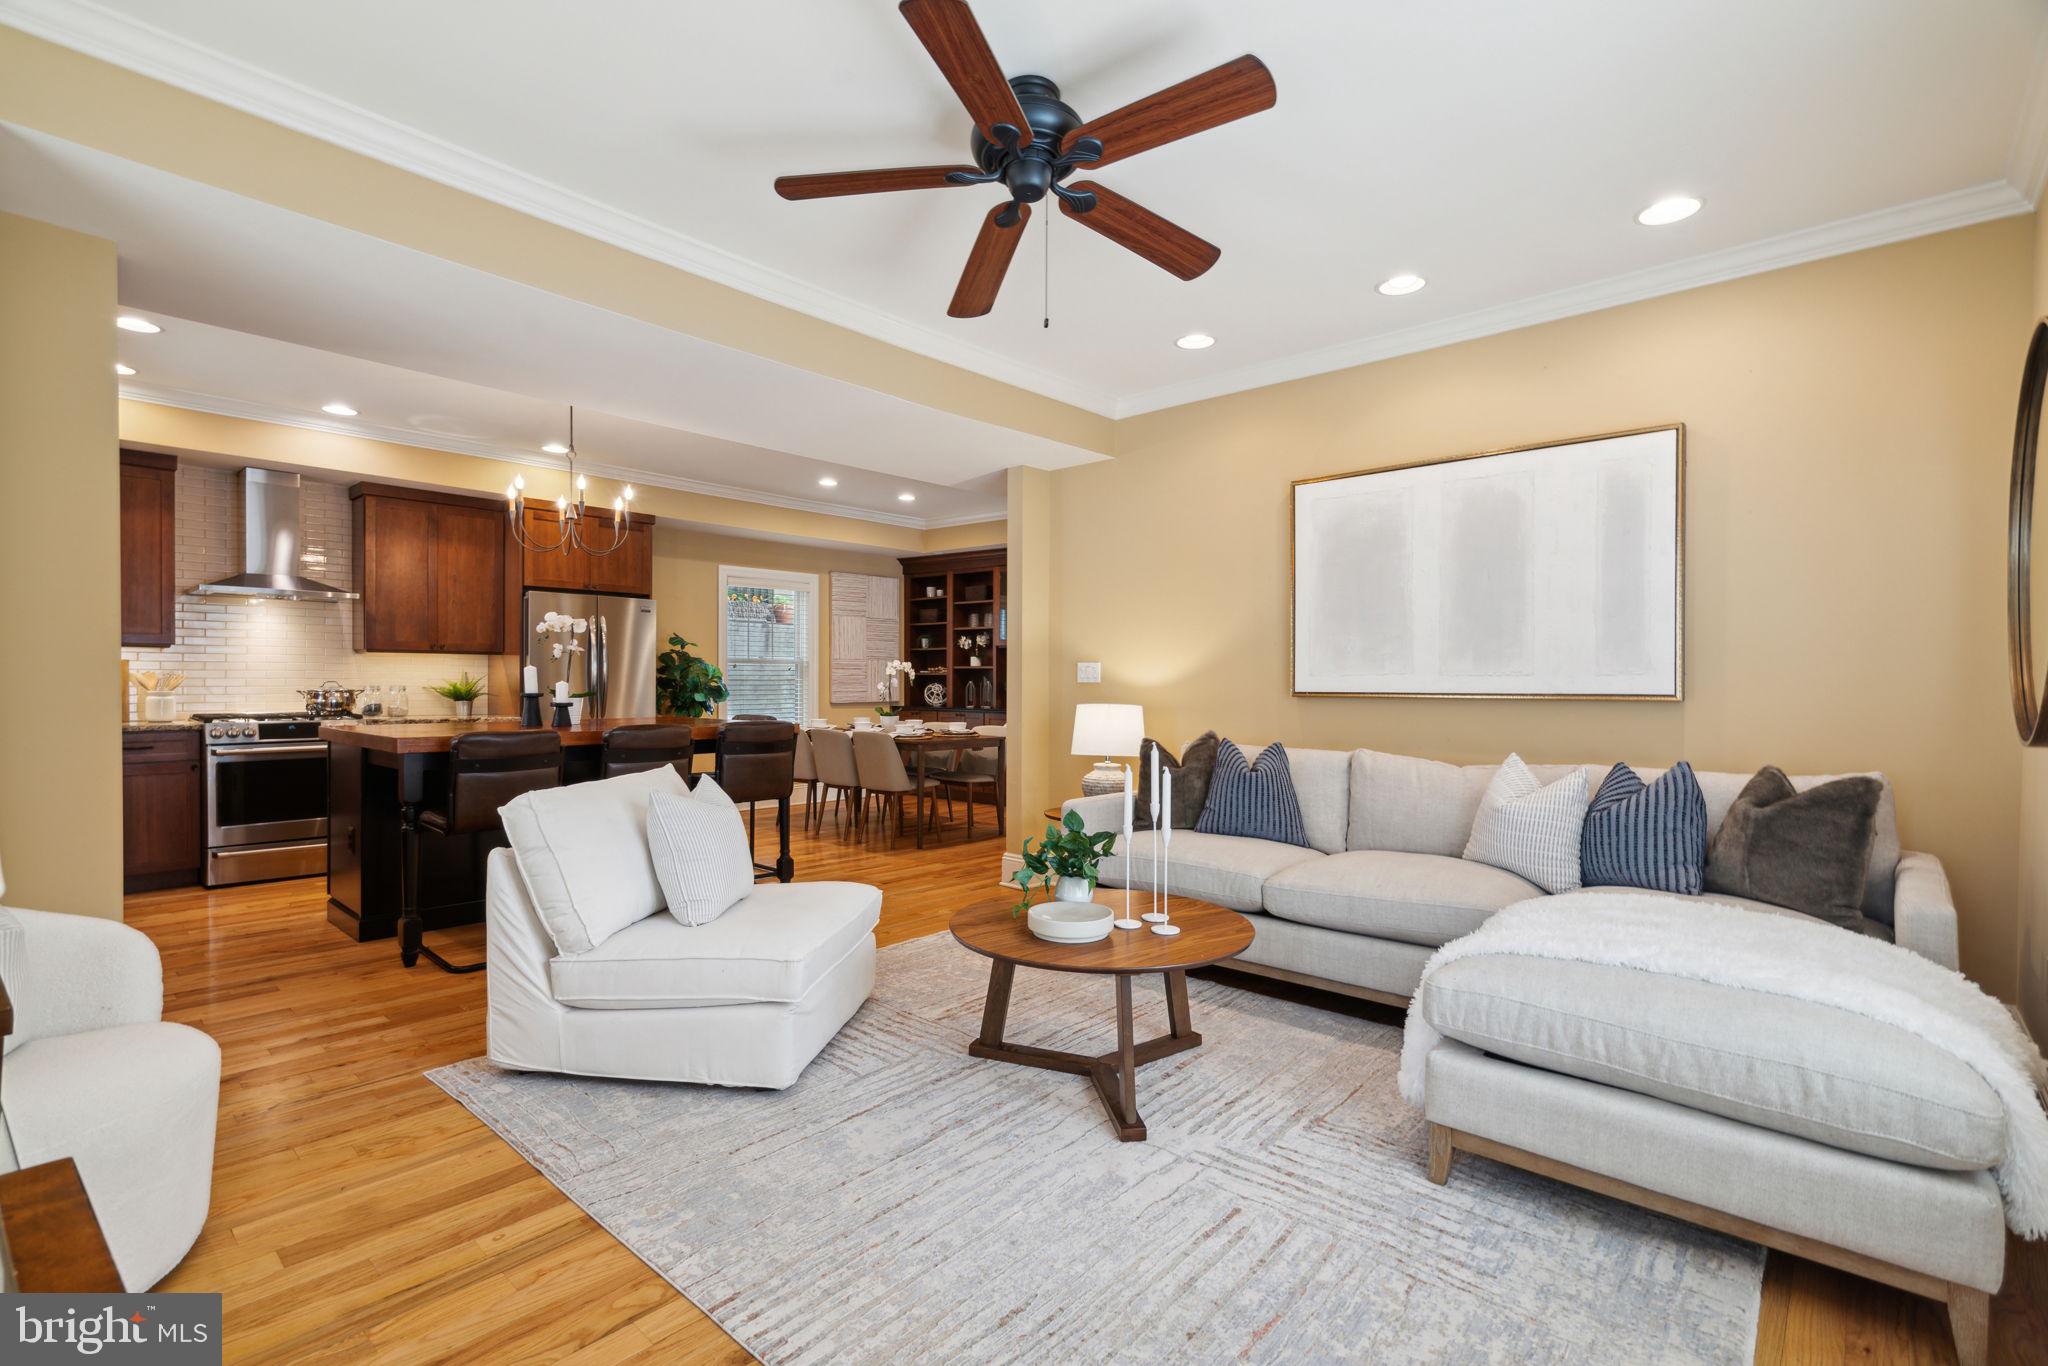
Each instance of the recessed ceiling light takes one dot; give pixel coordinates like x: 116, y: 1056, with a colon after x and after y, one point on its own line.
x: 128, y: 322
x: 555, y: 448
x: 338, y: 409
x: 1196, y: 341
x: 1402, y: 284
x: 828, y: 482
x: 906, y: 497
x: 1676, y: 209
x: 121, y: 369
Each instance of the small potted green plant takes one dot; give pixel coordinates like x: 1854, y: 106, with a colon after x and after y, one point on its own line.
x: 685, y: 685
x: 463, y: 692
x: 1065, y: 862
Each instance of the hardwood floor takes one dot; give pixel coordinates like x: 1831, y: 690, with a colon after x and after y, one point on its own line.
x: 361, y: 1215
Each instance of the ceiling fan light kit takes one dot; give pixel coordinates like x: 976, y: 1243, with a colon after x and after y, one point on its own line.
x: 1029, y: 141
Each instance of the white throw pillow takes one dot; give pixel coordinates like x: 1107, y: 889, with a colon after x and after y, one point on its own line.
x: 582, y: 853
x: 1530, y: 829
x: 701, y: 853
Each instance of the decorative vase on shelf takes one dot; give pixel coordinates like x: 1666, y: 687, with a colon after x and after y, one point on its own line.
x: 1073, y: 889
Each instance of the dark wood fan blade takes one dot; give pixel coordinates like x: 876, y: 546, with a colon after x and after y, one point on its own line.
x: 988, y: 262
x: 1163, y: 243
x: 949, y: 32
x: 1197, y: 104
x: 831, y: 183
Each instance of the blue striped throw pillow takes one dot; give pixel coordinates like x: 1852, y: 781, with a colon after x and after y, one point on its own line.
x: 1253, y: 800
x: 1652, y: 836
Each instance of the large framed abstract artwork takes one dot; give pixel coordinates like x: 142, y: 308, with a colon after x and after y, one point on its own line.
x: 1551, y: 571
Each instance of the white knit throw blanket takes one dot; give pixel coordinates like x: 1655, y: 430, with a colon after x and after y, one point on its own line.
x: 1785, y: 956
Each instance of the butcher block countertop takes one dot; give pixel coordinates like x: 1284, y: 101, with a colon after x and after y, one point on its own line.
x: 435, y: 737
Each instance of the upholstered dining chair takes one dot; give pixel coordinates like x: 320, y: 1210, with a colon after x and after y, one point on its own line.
x: 882, y: 775
x: 977, y: 774
x: 806, y: 771
x: 838, y: 778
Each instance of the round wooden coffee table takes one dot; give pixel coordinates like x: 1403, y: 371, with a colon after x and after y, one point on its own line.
x: 1208, y: 934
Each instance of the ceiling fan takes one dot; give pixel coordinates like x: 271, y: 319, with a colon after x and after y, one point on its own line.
x: 1029, y: 141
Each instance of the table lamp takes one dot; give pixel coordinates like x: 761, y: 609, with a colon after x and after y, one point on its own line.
x: 1112, y: 730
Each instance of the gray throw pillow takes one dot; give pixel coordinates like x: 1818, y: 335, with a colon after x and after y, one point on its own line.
x: 1190, y: 780
x: 1804, y: 850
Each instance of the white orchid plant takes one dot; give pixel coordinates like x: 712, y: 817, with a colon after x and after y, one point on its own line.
x: 896, y: 676
x: 566, y: 629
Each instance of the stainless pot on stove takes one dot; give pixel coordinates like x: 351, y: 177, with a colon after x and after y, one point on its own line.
x: 330, y: 699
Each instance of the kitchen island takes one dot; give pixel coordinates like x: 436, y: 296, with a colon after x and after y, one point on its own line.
x: 376, y: 769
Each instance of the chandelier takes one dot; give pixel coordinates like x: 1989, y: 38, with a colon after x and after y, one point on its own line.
x: 573, y: 515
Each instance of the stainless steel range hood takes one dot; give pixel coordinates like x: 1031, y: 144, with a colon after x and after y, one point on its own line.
x: 270, y: 546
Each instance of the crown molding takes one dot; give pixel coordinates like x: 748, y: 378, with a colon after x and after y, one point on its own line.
x: 150, y: 51
x: 1980, y: 203
x: 2026, y: 167
x: 405, y: 436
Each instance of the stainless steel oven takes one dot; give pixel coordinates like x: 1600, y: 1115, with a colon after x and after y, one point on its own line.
x: 266, y: 799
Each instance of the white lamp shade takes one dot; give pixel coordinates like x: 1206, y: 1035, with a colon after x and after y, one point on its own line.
x: 1108, y: 728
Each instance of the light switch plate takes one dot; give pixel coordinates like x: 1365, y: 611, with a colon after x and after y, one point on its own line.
x: 1088, y: 671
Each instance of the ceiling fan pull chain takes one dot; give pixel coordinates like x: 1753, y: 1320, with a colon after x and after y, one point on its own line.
x: 1047, y: 321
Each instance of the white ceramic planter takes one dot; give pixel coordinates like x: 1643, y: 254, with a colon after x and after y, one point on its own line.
x: 1074, y: 889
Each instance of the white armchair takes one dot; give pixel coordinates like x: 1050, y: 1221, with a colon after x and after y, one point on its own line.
x: 92, y: 1072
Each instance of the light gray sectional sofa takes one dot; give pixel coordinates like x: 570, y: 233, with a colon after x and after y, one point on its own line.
x: 1808, y: 1129
x: 1383, y: 886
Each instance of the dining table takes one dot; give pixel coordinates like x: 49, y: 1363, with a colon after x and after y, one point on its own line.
x: 917, y: 747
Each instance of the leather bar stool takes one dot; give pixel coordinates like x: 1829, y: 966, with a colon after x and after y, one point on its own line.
x: 757, y: 763
x: 635, y: 749
x: 485, y: 771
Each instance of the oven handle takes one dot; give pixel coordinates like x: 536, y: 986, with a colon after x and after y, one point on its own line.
x: 266, y: 751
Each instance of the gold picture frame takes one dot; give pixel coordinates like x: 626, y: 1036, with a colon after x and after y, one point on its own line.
x: 1677, y: 694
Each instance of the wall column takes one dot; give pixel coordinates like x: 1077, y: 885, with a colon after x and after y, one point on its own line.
x: 1029, y: 675
x: 60, y: 572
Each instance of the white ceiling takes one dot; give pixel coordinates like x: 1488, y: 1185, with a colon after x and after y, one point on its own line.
x: 439, y: 354
x: 1498, y: 147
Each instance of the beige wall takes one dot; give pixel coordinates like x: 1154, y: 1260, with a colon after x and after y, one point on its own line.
x: 686, y: 567
x: 2033, y: 833
x: 1026, y: 683
x: 1846, y: 437
x: 60, y: 752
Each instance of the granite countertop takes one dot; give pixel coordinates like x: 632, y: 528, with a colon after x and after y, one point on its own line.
x: 132, y: 727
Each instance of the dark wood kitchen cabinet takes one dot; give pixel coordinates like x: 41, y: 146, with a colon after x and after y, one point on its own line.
x: 149, y: 504
x: 431, y: 571
x: 628, y: 569
x: 163, y: 809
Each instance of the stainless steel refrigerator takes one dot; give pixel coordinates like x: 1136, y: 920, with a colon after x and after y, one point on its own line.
x: 611, y: 659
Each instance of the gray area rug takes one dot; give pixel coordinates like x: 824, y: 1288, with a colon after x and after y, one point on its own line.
x: 906, y: 1202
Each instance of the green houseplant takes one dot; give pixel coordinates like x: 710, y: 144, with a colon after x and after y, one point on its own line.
x: 1064, y: 862
x: 463, y: 692
x: 685, y: 685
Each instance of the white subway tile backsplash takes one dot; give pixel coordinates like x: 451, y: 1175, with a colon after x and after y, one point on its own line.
x: 242, y: 655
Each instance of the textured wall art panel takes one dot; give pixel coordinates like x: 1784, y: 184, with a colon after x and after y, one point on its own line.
x: 1549, y: 571
x: 867, y: 632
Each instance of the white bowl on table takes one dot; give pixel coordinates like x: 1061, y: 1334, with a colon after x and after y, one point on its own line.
x: 1069, y: 922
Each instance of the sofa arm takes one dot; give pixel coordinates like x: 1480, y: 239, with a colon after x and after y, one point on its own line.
x: 1923, y: 912
x: 67, y: 974
x: 1102, y: 813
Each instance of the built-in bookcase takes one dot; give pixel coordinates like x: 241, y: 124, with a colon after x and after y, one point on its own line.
x: 955, y: 632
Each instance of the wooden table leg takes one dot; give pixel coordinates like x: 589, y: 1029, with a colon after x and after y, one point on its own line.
x: 785, y: 866
x: 1117, y: 1083
x: 1002, y: 781
x: 1179, y: 1025
x: 995, y: 1011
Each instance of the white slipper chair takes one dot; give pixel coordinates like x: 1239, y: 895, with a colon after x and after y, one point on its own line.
x: 93, y: 1073
x: 591, y: 975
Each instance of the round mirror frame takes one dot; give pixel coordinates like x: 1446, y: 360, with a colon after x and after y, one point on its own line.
x: 2019, y: 633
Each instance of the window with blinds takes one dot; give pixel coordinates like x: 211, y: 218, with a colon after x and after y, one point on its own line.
x: 768, y: 639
